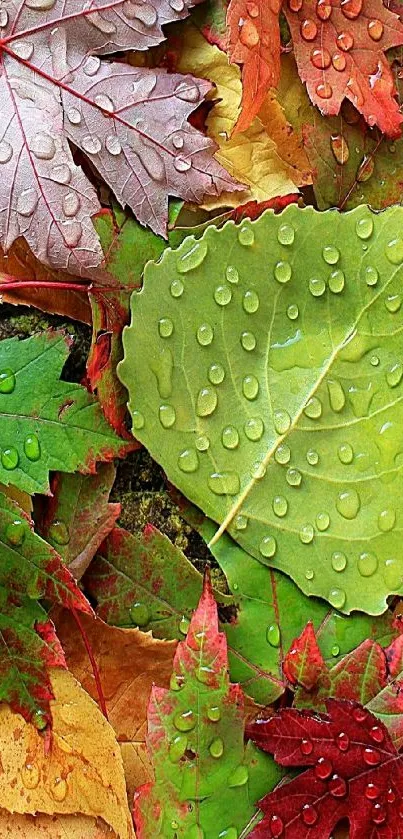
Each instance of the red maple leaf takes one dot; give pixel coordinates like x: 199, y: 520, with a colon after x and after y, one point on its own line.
x: 339, y: 47
x: 254, y: 42
x: 355, y: 773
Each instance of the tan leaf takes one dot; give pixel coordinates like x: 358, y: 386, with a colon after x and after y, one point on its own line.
x: 16, y: 826
x: 77, y: 768
x: 129, y: 662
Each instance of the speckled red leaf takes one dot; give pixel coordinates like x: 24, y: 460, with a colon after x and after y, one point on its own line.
x: 304, y: 663
x: 254, y: 43
x: 339, y: 46
x: 355, y: 773
x: 132, y: 123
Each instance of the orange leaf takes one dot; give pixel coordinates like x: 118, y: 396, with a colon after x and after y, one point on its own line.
x: 254, y: 42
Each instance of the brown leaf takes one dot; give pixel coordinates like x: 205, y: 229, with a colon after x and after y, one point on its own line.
x: 77, y: 768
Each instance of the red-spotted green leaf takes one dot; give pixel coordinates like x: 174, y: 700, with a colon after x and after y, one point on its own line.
x: 360, y: 781
x: 304, y: 663
x: 78, y: 516
x: 204, y: 776
x: 46, y: 423
x: 254, y: 43
x: 340, y: 52
x: 387, y: 705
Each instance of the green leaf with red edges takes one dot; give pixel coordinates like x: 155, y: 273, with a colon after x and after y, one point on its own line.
x: 304, y: 663
x: 77, y: 517
x: 354, y: 772
x: 30, y: 569
x: 204, y: 776
x: 339, y: 47
x: 143, y: 581
x: 45, y: 423
x: 254, y: 43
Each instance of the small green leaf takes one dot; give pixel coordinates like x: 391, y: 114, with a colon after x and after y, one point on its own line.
x: 45, y: 423
x: 264, y: 370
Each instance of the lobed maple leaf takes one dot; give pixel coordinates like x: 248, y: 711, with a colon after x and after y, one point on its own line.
x: 131, y: 123
x: 254, y: 42
x: 355, y: 773
x: 339, y: 47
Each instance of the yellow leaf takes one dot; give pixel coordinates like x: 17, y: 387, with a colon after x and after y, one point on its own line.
x: 76, y: 768
x: 15, y: 826
x: 268, y: 157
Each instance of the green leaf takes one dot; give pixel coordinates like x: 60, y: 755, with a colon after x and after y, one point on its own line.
x: 264, y: 370
x: 204, y: 776
x: 47, y: 424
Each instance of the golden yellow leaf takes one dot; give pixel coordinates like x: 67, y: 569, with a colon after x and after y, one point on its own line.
x: 129, y: 661
x: 76, y: 768
x: 16, y: 826
x: 268, y: 157
x: 22, y: 498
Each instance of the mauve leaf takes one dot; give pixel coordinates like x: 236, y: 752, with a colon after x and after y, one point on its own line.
x: 263, y: 365
x: 131, y: 123
x: 356, y: 773
x: 45, y: 423
x: 339, y: 48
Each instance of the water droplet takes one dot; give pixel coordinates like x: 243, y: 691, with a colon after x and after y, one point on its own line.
x: 309, y: 815
x: 280, y: 506
x: 61, y: 174
x: 282, y: 454
x: 187, y: 91
x: 113, y: 145
x: 393, y: 573
x: 394, y: 374
x: 39, y: 720
x: 239, y: 777
x: 331, y: 254
x: 92, y: 65
x: 32, y: 447
x: 182, y: 164
x: 393, y: 303
x: 7, y: 380
x: 250, y: 302
x: 293, y: 477
x: 258, y: 470
x: 308, y: 30
x: 58, y: 532
x: 364, y: 227
x: 378, y: 814
x: 282, y: 421
x: 292, y: 311
x: 371, y: 757
x: 241, y: 522
x: 205, y: 334
x: 71, y: 204
x: 43, y: 146
x: 312, y: 457
x: 248, y: 341
x: 317, y: 286
x: 250, y: 387
x: 72, y: 232
x: 15, y: 532
x: 306, y: 747
x: 335, y: 650
x: 376, y: 733
x: 188, y: 460
x: 386, y: 520
x: 214, y: 713
x: 222, y: 295
x: 176, y: 682
x: 178, y: 140
x: 322, y: 521
x: 313, y: 408
x: 9, y: 458
x: 374, y: 360
x: 372, y: 791
x: 337, y: 598
x: 348, y: 503
x: 390, y: 796
x: 104, y: 102
x: 309, y: 574
x: 230, y: 437
x: 268, y: 546
x: 138, y: 420
x: 339, y: 561
x: 24, y: 50
x: 306, y: 534
x: 224, y: 483
x: 323, y: 768
x: 337, y: 397
x: 165, y: 327
x: 345, y: 41
x: 324, y: 90
x: 202, y: 443
x: 232, y: 274
x: 246, y: 235
x: 91, y: 144
x: 3, y: 18
x: 30, y: 775
x: 337, y: 786
x: 371, y: 275
x: 345, y: 453
x: 27, y: 202
x: 176, y: 288
x: 185, y: 721
x: 59, y: 789
x: 286, y: 234
x: 192, y: 258
x: 206, y: 402
x: 177, y: 747
x: 6, y: 151
x: 282, y: 272
x: 367, y: 564
x: 273, y: 635
x: 183, y: 625
x: 74, y: 116
x: 216, y: 374
x: 336, y: 282
x: 351, y: 8
x: 342, y: 741
x: 339, y: 63
x: 216, y: 748
x: 228, y: 833
x: 321, y: 58
x: 365, y: 169
x: 254, y: 428
x: 276, y: 824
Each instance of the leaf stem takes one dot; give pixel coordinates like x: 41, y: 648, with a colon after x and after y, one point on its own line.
x: 94, y: 665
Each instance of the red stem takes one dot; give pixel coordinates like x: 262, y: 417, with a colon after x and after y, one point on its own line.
x: 34, y: 284
x: 94, y: 665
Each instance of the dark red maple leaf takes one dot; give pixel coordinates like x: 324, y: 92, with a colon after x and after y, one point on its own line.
x: 354, y: 772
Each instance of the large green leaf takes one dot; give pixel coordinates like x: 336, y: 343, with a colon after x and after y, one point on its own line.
x: 47, y: 424
x: 264, y: 370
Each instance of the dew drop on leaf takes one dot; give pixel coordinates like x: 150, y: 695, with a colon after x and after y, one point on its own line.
x: 185, y: 721
x: 273, y: 635
x: 7, y: 380
x: 192, y: 258
x: 250, y: 302
x: 59, y: 532
x: 15, y: 532
x: 10, y: 458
